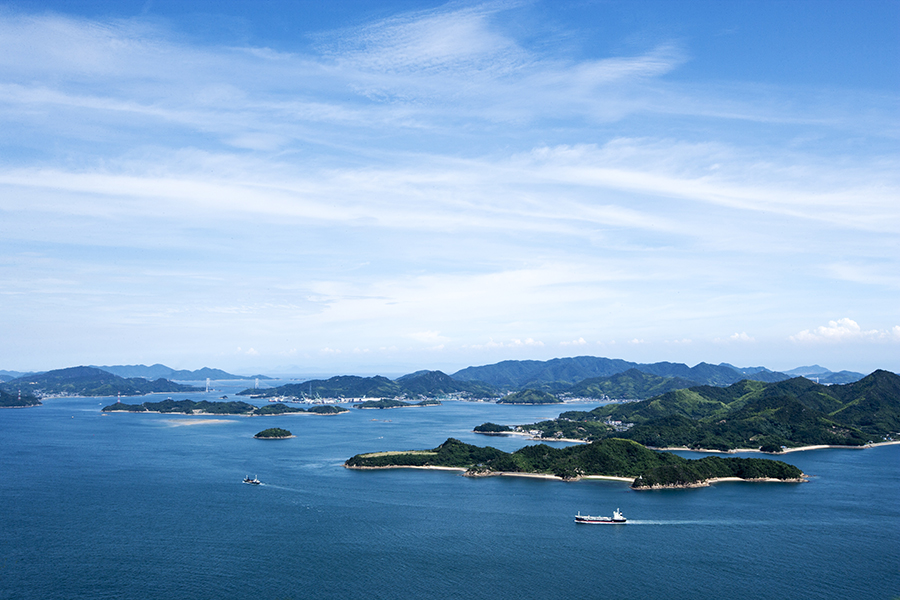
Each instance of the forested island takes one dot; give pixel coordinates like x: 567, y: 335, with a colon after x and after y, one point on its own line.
x: 191, y: 407
x: 393, y: 403
x: 609, y: 458
x: 274, y: 433
x: 755, y: 415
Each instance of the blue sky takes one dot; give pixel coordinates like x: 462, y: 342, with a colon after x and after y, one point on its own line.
x: 282, y: 187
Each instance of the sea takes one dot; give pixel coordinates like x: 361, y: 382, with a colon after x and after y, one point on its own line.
x: 151, y: 506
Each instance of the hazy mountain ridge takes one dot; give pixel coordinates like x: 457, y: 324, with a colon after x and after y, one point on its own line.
x: 159, y: 371
x: 513, y: 374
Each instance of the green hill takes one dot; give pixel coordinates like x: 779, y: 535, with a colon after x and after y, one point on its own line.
x: 628, y: 385
x: 422, y: 384
x: 749, y: 414
x: 529, y: 397
x: 431, y: 384
x: 13, y: 400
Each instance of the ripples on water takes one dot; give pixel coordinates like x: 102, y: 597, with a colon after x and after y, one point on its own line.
x: 130, y: 506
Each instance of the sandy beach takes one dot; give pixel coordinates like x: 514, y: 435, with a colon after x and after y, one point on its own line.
x: 182, y: 422
x: 785, y: 451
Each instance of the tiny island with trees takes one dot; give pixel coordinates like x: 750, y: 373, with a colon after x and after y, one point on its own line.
x: 274, y: 433
x: 611, y: 458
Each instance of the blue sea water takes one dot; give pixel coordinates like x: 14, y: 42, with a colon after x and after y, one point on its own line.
x: 97, y: 505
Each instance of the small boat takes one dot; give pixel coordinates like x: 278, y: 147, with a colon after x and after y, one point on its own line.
x: 253, y: 481
x: 617, y: 517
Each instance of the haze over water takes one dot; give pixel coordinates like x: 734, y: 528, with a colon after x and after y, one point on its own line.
x: 152, y: 506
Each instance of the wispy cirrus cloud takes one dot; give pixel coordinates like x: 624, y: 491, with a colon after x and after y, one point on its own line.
x: 432, y: 178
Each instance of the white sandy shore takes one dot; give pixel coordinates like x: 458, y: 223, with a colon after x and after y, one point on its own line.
x: 531, y: 437
x: 498, y: 473
x: 708, y: 482
x: 209, y: 414
x: 629, y: 480
x: 181, y: 422
x: 785, y: 451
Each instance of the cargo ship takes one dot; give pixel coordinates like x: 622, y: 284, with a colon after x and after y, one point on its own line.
x: 617, y: 517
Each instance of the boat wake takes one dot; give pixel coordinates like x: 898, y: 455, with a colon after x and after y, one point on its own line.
x: 687, y: 522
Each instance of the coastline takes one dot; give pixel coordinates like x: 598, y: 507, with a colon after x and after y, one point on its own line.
x: 531, y: 437
x: 784, y: 451
x: 209, y: 414
x: 709, y: 482
x: 629, y: 480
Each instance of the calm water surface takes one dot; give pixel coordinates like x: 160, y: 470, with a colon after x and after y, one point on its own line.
x: 152, y: 506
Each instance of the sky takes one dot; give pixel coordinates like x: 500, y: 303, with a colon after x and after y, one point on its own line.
x: 287, y: 187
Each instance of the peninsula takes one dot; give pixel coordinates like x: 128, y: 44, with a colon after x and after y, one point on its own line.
x: 17, y: 400
x: 609, y: 459
x: 769, y: 417
x: 89, y: 381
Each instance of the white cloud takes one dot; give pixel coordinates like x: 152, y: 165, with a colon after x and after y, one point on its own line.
x: 428, y: 337
x: 579, y: 342
x: 844, y: 330
x: 513, y: 343
x: 736, y: 337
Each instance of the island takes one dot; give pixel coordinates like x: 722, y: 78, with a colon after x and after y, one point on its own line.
x: 612, y: 458
x: 204, y: 407
x: 529, y: 397
x: 493, y: 429
x: 274, y: 433
x: 394, y: 403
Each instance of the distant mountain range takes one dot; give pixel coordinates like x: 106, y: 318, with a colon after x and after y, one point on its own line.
x: 10, y: 375
x: 582, y: 376
x: 158, y: 371
x: 823, y: 375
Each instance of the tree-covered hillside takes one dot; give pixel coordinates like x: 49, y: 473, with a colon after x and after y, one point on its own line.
x: 426, y: 384
x: 749, y: 414
x: 14, y: 400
